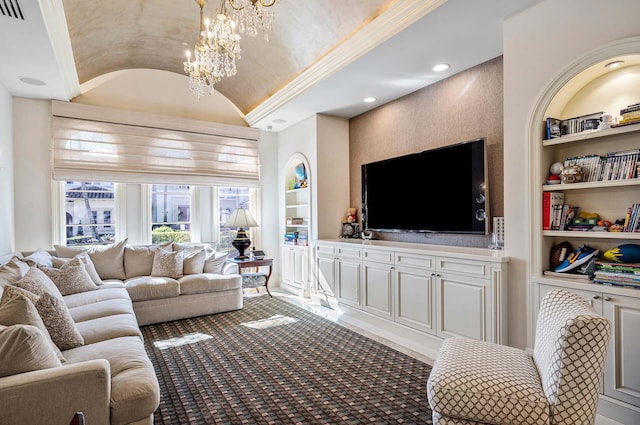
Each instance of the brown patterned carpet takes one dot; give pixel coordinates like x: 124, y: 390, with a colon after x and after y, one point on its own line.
x: 275, y: 363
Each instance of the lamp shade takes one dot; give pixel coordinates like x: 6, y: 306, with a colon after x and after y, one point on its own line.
x: 240, y: 217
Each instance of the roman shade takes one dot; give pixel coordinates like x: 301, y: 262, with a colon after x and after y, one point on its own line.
x: 94, y: 143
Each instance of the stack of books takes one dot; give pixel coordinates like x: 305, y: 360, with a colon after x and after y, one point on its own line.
x: 303, y: 237
x: 617, y: 274
x: 630, y: 114
x: 632, y: 219
x: 291, y: 238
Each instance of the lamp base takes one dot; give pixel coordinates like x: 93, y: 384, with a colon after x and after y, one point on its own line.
x: 241, y: 243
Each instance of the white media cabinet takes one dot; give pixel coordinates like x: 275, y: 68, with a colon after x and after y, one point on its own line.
x: 415, y: 294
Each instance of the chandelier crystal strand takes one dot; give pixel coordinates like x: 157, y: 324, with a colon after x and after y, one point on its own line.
x: 223, y: 43
x: 253, y: 15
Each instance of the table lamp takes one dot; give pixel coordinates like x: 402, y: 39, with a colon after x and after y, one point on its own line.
x: 241, y: 217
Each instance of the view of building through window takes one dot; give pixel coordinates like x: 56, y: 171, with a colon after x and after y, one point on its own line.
x: 88, y: 208
x: 230, y: 198
x: 170, y: 213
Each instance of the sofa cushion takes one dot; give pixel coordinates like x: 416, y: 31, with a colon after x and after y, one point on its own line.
x: 101, y: 309
x: 168, y: 263
x: 18, y: 309
x: 489, y: 383
x: 108, y: 259
x: 135, y: 393
x: 88, y: 265
x: 208, y: 282
x: 193, y: 262
x: 150, y: 288
x: 108, y: 327
x: 138, y: 260
x: 104, y: 293
x: 215, y: 261
x: 24, y: 348
x: 71, y: 277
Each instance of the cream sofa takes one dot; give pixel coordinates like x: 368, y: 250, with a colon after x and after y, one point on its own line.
x: 110, y: 378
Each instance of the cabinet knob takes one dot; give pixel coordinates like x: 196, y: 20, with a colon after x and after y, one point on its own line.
x: 596, y: 297
x: 607, y: 298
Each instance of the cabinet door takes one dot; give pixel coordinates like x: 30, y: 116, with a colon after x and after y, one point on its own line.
x: 594, y: 298
x: 462, y: 306
x: 622, y: 373
x: 300, y: 268
x: 326, y: 274
x: 414, y: 299
x: 348, y: 281
x: 378, y: 289
x: 287, y: 265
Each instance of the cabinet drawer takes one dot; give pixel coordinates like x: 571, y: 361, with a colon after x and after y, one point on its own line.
x: 324, y: 249
x: 378, y: 256
x: 348, y: 252
x: 418, y: 261
x: 461, y: 266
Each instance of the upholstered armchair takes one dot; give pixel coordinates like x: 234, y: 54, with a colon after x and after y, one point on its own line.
x: 474, y: 382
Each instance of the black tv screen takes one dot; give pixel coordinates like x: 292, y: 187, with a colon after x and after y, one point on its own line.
x: 438, y: 190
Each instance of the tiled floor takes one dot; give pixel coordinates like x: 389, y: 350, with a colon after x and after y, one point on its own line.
x: 334, y: 316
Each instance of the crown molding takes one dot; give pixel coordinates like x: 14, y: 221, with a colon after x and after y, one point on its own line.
x: 398, y: 17
x: 56, y: 24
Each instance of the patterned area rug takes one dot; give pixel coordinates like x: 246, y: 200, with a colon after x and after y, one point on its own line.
x: 275, y: 363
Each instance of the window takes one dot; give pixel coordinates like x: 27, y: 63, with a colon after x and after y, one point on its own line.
x: 83, y: 201
x: 170, y: 213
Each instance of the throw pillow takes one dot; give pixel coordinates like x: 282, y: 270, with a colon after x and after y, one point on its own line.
x: 18, y: 309
x: 138, y: 260
x: 88, y: 265
x: 71, y: 278
x: 39, y: 257
x: 215, y: 262
x: 109, y: 260
x: 24, y: 348
x: 68, y: 251
x: 37, y: 282
x: 168, y: 264
x: 187, y: 246
x: 5, y: 258
x: 12, y: 271
x: 59, y: 323
x: 193, y: 262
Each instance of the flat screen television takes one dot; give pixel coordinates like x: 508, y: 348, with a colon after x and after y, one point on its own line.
x: 438, y: 190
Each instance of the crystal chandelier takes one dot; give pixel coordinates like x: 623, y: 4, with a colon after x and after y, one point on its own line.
x: 251, y: 15
x: 215, y: 52
x: 218, y: 45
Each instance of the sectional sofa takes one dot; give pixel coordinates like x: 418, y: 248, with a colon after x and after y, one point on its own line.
x: 97, y: 364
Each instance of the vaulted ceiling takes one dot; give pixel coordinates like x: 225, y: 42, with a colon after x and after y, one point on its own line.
x: 323, y: 56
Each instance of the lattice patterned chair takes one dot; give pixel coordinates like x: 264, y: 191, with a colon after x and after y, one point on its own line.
x: 474, y: 382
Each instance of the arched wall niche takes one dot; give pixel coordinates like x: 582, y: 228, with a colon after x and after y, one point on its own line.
x: 575, y: 91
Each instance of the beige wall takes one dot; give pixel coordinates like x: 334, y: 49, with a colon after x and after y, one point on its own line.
x: 465, y: 106
x: 7, y: 235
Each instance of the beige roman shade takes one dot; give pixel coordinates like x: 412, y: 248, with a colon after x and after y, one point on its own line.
x: 99, y: 144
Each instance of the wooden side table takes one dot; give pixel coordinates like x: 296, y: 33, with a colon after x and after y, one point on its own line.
x: 255, y: 279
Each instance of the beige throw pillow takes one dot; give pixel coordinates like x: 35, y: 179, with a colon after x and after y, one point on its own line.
x: 12, y: 271
x: 193, y: 262
x: 24, y: 348
x: 39, y: 257
x: 86, y: 260
x: 71, y: 278
x: 52, y: 309
x: 108, y: 259
x: 215, y: 261
x: 16, y: 308
x: 168, y: 264
x: 138, y: 260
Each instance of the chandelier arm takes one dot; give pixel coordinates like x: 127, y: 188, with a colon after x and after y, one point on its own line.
x: 265, y: 4
x: 233, y: 5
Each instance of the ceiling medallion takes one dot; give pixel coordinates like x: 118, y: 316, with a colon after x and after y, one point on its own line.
x: 218, y: 44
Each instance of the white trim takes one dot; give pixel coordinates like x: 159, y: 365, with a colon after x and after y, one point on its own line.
x: 120, y: 198
x: 194, y: 211
x: 58, y: 216
x: 145, y: 212
x: 56, y: 24
x: 398, y: 17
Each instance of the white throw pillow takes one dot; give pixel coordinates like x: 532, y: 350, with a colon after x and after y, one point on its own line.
x: 168, y: 264
x: 24, y: 348
x: 39, y: 257
x: 215, y: 262
x: 193, y: 262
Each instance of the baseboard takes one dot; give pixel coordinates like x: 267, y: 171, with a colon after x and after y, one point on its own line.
x: 618, y: 411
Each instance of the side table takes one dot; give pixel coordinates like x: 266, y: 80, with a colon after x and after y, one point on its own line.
x: 255, y: 279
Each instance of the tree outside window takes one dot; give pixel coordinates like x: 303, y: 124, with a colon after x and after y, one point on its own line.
x: 170, y: 213
x: 84, y: 203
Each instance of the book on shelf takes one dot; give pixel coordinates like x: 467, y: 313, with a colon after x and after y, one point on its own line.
x: 617, y: 274
x: 565, y: 275
x: 553, y: 128
x: 632, y: 219
x: 549, y: 201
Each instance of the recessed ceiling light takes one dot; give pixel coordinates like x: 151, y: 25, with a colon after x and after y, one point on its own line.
x: 441, y: 67
x: 279, y: 121
x: 614, y: 64
x: 32, y: 81
x: 369, y: 99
